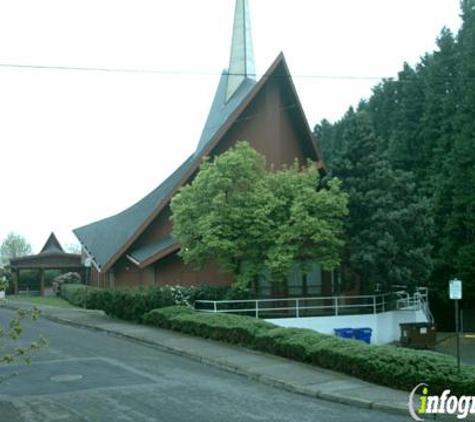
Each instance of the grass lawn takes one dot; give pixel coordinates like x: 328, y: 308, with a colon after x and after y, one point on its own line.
x: 38, y: 300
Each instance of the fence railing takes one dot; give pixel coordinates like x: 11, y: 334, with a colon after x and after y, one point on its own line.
x: 419, y: 300
x: 315, y: 306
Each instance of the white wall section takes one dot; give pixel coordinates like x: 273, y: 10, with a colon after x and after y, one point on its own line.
x: 385, y: 325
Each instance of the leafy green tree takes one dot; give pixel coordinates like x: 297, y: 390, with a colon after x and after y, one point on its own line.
x: 307, y: 222
x: 388, y: 230
x: 10, y: 335
x: 13, y: 246
x: 250, y: 220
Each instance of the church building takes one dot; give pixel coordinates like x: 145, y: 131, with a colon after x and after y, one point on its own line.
x: 137, y: 247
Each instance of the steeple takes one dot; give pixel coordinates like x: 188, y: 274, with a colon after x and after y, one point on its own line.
x: 241, y: 63
x: 237, y: 81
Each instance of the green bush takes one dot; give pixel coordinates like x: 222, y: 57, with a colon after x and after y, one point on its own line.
x: 384, y: 365
x: 132, y: 303
x: 229, y: 328
x: 207, y: 293
x: 127, y: 303
x: 162, y: 317
x: 73, y: 293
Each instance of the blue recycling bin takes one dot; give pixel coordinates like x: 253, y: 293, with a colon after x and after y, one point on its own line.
x: 344, y: 332
x: 363, y: 334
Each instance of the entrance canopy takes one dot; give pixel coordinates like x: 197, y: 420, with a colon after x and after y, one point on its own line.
x: 51, y: 257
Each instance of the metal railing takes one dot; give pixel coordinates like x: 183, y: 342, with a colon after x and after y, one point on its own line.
x: 419, y: 300
x: 315, y: 306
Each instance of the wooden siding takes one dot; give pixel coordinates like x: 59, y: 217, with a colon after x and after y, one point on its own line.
x: 267, y: 125
x: 172, y: 270
x: 126, y: 274
x: 161, y: 226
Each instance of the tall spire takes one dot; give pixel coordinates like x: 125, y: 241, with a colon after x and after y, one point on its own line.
x: 241, y: 64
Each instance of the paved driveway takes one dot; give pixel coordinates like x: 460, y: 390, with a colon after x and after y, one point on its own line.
x: 92, y: 376
x: 447, y: 344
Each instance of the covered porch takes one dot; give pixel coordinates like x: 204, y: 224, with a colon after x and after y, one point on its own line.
x: 51, y: 257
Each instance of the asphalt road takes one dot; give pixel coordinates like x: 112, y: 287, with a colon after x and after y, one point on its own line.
x: 92, y: 376
x: 447, y: 344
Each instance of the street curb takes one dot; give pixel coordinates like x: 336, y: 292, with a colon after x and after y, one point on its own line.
x: 231, y: 368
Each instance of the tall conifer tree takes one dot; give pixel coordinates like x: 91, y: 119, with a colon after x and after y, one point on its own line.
x: 388, y: 229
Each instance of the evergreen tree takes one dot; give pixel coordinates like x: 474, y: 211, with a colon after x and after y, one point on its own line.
x: 404, y: 149
x: 382, y: 109
x: 388, y: 229
x: 458, y: 248
x: 438, y: 125
x: 423, y: 122
x: 324, y: 133
x: 332, y: 139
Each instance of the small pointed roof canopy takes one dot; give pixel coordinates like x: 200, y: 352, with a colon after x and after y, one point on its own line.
x: 52, y: 256
x: 241, y: 63
x: 52, y: 245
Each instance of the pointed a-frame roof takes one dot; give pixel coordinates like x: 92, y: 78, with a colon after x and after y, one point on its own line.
x: 221, y: 109
x: 52, y: 245
x: 103, y: 239
x: 107, y: 240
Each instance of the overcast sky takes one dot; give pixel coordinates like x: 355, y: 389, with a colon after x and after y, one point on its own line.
x: 77, y: 146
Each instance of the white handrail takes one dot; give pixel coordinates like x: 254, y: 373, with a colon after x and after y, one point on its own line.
x: 376, y: 303
x: 372, y: 303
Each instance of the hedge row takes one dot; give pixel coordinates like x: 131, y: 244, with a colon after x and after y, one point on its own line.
x: 132, y: 303
x: 76, y: 293
x: 385, y: 365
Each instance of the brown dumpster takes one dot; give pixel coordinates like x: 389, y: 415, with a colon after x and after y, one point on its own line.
x: 419, y: 335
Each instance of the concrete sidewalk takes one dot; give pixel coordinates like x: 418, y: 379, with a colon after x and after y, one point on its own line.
x: 267, y: 369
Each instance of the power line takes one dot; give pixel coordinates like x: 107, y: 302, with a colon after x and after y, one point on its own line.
x: 176, y: 72
x: 396, y: 78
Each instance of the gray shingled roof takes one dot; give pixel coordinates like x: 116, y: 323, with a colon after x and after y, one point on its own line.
x: 52, y: 245
x: 222, y: 110
x: 142, y: 254
x: 104, y: 238
x: 51, y: 255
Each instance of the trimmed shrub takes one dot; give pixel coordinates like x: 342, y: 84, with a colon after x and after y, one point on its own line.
x: 385, y: 365
x: 127, y: 303
x: 76, y: 294
x: 132, y: 303
x: 162, y: 317
x: 229, y: 328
